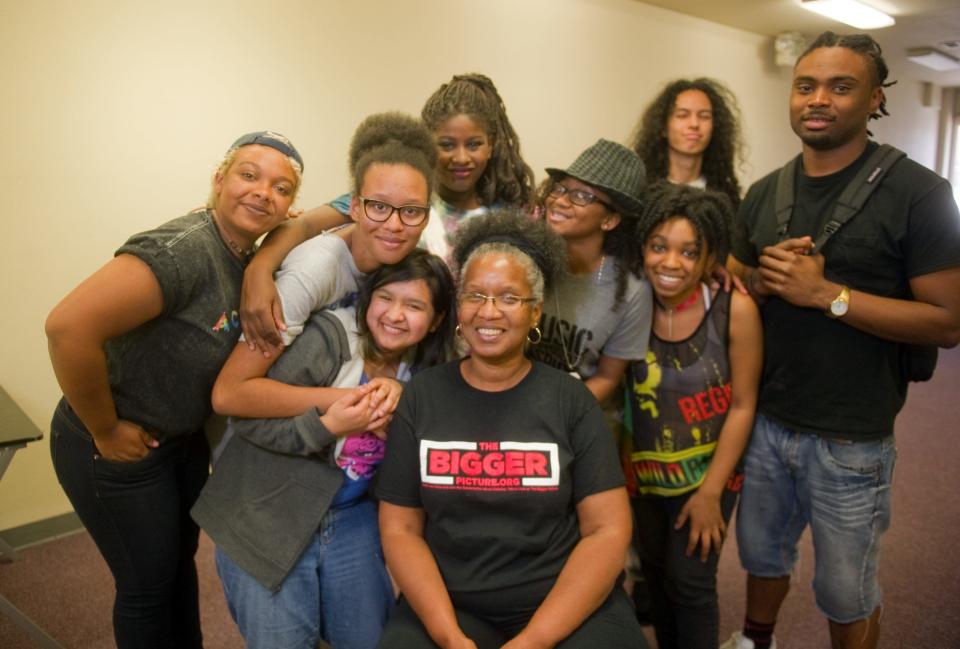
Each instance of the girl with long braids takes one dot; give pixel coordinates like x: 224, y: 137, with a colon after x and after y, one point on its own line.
x: 479, y: 166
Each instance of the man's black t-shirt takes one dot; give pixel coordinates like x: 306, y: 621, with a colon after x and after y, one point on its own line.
x: 820, y: 375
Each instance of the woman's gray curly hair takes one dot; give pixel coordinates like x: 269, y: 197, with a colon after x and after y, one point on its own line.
x: 540, y: 251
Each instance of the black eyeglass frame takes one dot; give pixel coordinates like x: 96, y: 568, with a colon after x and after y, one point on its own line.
x: 425, y: 209
x: 558, y: 189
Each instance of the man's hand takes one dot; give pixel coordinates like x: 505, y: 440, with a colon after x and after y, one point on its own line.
x: 800, y: 245
x: 791, y: 271
x: 126, y: 442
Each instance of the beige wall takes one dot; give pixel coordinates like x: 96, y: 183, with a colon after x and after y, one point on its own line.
x: 910, y: 126
x: 113, y: 114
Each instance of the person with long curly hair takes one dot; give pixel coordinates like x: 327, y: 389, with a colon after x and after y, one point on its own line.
x: 690, y: 134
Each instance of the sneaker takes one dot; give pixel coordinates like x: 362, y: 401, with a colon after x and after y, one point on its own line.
x: 737, y: 641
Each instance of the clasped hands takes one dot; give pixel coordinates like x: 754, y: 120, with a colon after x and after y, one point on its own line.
x: 368, y: 407
x: 793, y: 271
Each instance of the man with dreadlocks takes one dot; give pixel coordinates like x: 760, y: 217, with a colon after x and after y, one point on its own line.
x: 844, y: 320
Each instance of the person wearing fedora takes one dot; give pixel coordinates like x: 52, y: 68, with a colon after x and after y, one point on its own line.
x: 596, y: 318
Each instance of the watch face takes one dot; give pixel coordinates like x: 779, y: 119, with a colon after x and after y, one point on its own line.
x: 839, y: 307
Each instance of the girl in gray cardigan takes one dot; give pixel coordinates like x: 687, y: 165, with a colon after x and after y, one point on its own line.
x: 298, y: 550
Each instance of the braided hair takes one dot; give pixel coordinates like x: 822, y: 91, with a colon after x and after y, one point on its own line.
x: 507, y: 180
x: 723, y: 153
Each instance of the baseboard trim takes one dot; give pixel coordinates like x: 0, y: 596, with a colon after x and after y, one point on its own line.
x: 42, y: 531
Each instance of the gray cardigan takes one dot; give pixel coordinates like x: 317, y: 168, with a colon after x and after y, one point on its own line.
x: 275, y: 478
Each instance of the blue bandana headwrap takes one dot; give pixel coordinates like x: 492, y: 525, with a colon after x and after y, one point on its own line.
x: 272, y: 140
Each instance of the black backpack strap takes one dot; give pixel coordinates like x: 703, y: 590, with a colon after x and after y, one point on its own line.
x: 783, y: 202
x: 858, y: 190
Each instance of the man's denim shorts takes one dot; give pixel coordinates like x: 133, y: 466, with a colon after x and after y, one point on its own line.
x: 840, y: 488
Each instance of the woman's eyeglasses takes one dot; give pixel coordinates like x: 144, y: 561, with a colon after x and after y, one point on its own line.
x: 506, y: 302
x: 578, y: 196
x: 379, y: 211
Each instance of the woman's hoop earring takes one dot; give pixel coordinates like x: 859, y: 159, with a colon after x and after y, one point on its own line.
x: 458, y: 332
x: 535, y: 330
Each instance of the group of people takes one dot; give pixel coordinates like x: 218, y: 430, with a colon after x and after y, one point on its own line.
x: 456, y: 399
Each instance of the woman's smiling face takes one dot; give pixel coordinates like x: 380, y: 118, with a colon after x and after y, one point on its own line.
x: 574, y: 222
x: 463, y: 150
x: 254, y: 193
x: 400, y: 315
x: 378, y: 243
x: 674, y: 260
x: 495, y: 330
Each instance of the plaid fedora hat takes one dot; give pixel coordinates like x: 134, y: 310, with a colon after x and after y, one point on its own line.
x: 615, y: 169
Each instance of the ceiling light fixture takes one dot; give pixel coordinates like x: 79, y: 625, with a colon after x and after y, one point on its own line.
x: 851, y: 12
x: 931, y: 58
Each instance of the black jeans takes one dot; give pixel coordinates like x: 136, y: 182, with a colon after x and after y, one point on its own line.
x: 138, y: 514
x: 683, y: 590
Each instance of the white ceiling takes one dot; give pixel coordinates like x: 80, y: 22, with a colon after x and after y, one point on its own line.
x: 920, y: 23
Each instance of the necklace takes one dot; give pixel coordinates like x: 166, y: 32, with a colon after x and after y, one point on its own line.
x: 234, y: 246
x: 241, y: 252
x: 571, y: 367
x: 686, y: 304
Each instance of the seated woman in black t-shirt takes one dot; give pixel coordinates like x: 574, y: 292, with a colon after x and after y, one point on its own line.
x: 503, y: 514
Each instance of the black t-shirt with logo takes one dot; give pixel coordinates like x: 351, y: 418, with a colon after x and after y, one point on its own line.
x: 821, y: 375
x: 498, y: 474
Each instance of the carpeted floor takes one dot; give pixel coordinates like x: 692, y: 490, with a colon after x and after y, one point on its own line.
x: 64, y: 584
